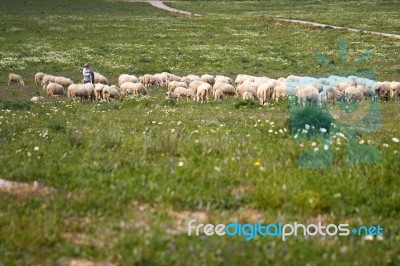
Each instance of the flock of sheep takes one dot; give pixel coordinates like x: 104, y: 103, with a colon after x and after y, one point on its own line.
x: 200, y: 88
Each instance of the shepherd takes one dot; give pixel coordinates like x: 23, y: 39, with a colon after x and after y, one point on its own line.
x: 88, y: 74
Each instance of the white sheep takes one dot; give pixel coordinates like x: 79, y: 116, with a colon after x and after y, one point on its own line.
x: 37, y: 99
x: 208, y: 79
x: 99, y: 78
x: 83, y: 91
x: 47, y: 78
x: 194, y: 85
x: 110, y: 92
x: 54, y: 89
x: 218, y: 95
x: 223, y: 79
x: 227, y: 89
x: 207, y: 87
x: 245, y: 86
x: 98, y: 91
x: 247, y: 96
x: 202, y: 94
x: 395, y: 90
x: 181, y: 91
x: 170, y: 95
x: 309, y: 94
x: 174, y: 84
x: 280, y: 92
x: 65, y: 82
x: 14, y: 78
x: 189, y: 78
x: 242, y: 78
x: 150, y: 80
x: 265, y: 92
x: 353, y: 94
x: 127, y: 78
x: 38, y: 77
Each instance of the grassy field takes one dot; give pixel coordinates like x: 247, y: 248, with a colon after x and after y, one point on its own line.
x: 125, y: 177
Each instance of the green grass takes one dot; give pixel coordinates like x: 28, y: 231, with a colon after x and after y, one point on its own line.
x: 129, y: 174
x: 363, y: 15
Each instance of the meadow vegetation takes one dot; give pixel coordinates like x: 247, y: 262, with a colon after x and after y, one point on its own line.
x: 128, y: 175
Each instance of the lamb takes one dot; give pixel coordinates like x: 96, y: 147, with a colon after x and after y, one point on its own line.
x: 98, y: 91
x: 65, y: 82
x: 14, y: 78
x: 110, y: 92
x: 247, y: 96
x: 37, y: 99
x: 181, y: 91
x: 84, y: 91
x: 308, y: 93
x: 127, y: 78
x: 174, y: 84
x: 218, y: 95
x: 99, y: 78
x: 265, y: 92
x: 208, y: 79
x: 353, y: 94
x: 227, y: 89
x: 38, y: 77
x: 170, y: 96
x: 54, y: 89
x: 382, y: 89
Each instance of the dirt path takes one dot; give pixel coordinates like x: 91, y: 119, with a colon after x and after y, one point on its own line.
x: 160, y: 4
x: 340, y: 28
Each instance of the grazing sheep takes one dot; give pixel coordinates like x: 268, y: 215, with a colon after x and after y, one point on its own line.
x: 174, y: 84
x: 309, y: 94
x: 280, y: 92
x: 382, y: 90
x: 181, y: 91
x: 332, y: 95
x: 202, y: 94
x: 98, y: 91
x: 353, y: 94
x: 194, y: 85
x: 148, y: 80
x: 227, y: 89
x: 37, y: 99
x: 110, y: 92
x: 47, y: 78
x: 38, y: 77
x: 265, y: 92
x: 65, y: 82
x: 395, y: 90
x: 242, y: 78
x: 83, y: 91
x: 364, y: 91
x: 171, y: 77
x: 343, y: 85
x: 245, y: 86
x: 54, y: 89
x: 133, y: 88
x: 247, y: 96
x: 189, y: 78
x: 223, y: 79
x: 208, y: 79
x: 207, y: 87
x: 115, y: 87
x: 14, y: 78
x: 99, y: 78
x: 218, y: 95
x: 127, y: 78
x: 170, y: 96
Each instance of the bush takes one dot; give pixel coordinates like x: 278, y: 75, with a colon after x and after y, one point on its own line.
x: 310, y: 118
